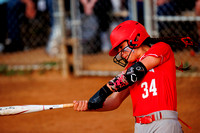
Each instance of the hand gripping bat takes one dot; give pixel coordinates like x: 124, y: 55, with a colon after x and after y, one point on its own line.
x: 21, y: 109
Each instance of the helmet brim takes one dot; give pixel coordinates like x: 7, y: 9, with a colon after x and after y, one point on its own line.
x: 113, y: 51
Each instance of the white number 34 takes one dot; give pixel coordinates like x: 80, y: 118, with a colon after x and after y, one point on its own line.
x: 152, y: 89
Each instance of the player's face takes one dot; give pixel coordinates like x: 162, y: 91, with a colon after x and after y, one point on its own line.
x: 127, y: 53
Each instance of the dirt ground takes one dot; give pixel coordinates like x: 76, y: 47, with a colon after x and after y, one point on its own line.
x: 51, y: 88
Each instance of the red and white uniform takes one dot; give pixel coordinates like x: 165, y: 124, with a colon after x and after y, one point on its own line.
x: 157, y: 90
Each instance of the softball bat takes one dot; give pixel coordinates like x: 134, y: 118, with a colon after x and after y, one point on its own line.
x: 15, y: 110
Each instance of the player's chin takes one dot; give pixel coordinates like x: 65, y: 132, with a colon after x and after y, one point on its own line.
x: 132, y: 59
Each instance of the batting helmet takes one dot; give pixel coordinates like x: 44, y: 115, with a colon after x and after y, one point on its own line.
x: 131, y: 31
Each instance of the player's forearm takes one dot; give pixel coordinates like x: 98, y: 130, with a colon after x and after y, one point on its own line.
x: 117, y: 84
x: 114, y: 101
x: 109, y: 105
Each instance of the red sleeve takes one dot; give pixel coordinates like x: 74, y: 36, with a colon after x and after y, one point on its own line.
x: 160, y: 50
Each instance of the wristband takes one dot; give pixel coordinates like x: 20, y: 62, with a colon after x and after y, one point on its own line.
x: 97, y: 100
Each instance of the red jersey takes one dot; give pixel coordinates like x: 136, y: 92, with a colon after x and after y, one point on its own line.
x: 157, y: 90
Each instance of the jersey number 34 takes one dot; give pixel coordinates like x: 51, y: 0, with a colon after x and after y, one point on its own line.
x: 149, y: 89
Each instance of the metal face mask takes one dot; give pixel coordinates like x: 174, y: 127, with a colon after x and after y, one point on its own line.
x: 120, y: 59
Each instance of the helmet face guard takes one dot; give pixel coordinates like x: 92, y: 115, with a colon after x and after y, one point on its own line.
x: 119, y: 59
x: 131, y: 31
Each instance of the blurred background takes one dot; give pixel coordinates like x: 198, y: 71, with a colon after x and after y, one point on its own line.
x: 72, y: 36
x: 42, y: 41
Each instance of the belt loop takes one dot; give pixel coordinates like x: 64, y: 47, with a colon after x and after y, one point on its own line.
x: 158, y: 115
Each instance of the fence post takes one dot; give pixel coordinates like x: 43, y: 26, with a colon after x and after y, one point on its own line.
x: 64, y: 57
x: 133, y: 10
x: 76, y: 34
x: 148, y: 16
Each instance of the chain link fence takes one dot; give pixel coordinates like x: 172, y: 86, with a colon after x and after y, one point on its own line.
x: 29, y: 41
x: 73, y: 35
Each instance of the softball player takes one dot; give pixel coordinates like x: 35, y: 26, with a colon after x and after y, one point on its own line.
x: 149, y: 77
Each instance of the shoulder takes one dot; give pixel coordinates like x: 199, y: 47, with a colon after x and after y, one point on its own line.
x: 159, y: 50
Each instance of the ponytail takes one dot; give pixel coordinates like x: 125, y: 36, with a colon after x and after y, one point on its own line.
x: 175, y: 43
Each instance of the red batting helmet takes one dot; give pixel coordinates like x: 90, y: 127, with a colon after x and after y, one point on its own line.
x: 131, y: 31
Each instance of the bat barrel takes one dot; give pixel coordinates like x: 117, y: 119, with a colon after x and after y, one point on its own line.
x: 14, y: 110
